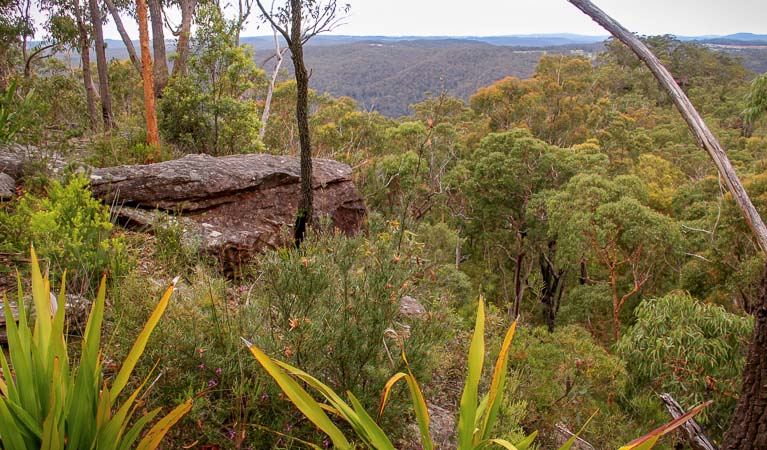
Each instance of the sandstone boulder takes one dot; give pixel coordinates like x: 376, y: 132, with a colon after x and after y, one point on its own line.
x: 234, y: 206
x: 7, y: 186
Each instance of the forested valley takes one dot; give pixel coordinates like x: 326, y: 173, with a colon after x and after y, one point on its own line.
x: 575, y: 202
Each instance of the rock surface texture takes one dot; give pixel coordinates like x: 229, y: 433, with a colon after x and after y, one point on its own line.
x: 7, y: 186
x: 231, y: 206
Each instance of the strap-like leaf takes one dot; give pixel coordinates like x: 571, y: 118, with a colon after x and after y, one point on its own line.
x: 527, y: 442
x: 138, y: 347
x: 10, y: 437
x: 497, y: 384
x: 419, y: 404
x: 303, y: 401
x: 155, y: 434
x: 569, y: 443
x: 468, y: 406
x: 499, y: 442
x: 653, y: 436
x: 387, y: 389
x: 376, y: 435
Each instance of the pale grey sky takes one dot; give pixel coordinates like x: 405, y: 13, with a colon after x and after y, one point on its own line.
x: 500, y: 17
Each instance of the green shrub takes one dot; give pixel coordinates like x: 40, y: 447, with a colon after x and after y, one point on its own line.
x: 332, y: 306
x: 176, y: 253
x: 692, y: 350
x: 70, y: 229
x: 475, y: 423
x: 565, y: 376
x: 12, y: 112
x: 210, y: 110
x: 126, y: 146
x: 477, y: 416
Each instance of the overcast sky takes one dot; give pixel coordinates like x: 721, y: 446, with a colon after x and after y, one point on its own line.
x: 502, y: 17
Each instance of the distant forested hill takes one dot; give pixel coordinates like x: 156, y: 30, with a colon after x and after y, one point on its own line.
x: 390, y: 76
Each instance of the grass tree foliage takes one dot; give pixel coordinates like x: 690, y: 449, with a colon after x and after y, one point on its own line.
x: 48, y: 402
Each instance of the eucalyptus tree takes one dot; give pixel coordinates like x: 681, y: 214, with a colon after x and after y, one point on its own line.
x: 298, y: 21
x: 101, y: 64
x: 500, y: 179
x: 607, y: 223
x: 67, y: 24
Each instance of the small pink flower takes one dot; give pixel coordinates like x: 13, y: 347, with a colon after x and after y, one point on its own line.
x: 212, y: 383
x: 218, y: 371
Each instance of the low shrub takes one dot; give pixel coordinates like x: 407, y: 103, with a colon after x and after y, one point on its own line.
x: 566, y: 376
x: 692, y: 350
x: 333, y: 305
x: 70, y: 229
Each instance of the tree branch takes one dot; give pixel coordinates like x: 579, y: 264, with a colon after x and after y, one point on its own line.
x: 273, y: 23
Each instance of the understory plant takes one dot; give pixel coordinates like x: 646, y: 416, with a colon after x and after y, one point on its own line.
x: 48, y: 403
x: 71, y: 231
x: 476, y: 416
x: 690, y: 349
x: 12, y: 112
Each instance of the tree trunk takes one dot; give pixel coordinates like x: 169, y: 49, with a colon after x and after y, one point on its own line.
x: 124, y: 35
x: 518, y: 291
x: 26, y: 18
x: 101, y: 66
x: 85, y: 57
x: 748, y: 429
x: 305, y: 213
x: 158, y: 44
x: 181, y: 63
x: 152, y: 135
x: 552, y: 287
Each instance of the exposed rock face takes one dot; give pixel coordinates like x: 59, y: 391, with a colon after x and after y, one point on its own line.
x: 11, y: 164
x: 234, y: 205
x: 7, y: 186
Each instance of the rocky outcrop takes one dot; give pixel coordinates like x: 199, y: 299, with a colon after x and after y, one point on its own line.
x: 7, y: 186
x: 233, y: 206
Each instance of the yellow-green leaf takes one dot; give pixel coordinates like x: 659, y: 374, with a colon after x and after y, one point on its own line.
x: 155, y: 434
x: 468, y: 406
x: 138, y: 347
x: 303, y: 401
x: 387, y: 389
x: 495, y: 395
